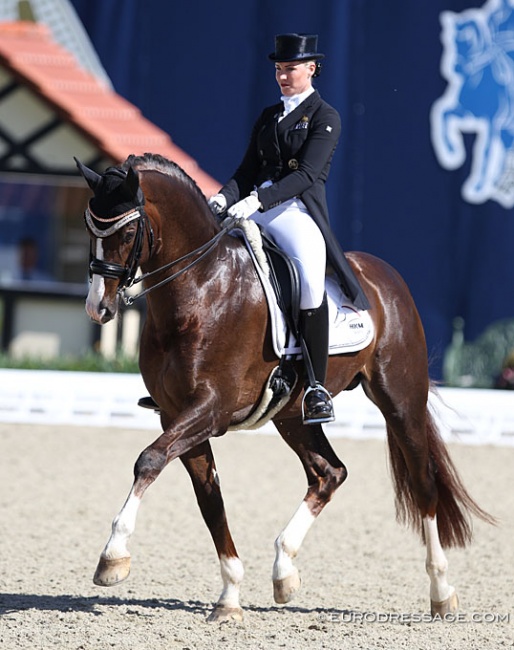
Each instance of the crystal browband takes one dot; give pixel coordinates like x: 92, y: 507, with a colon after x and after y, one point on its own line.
x: 117, y: 222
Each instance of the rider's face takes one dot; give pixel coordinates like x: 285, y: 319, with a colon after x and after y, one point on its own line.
x: 294, y: 77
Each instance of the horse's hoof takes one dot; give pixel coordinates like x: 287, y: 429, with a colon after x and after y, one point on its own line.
x: 448, y: 606
x: 111, y: 572
x: 224, y: 614
x: 285, y: 589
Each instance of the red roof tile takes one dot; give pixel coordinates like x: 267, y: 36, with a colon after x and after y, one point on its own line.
x: 113, y: 124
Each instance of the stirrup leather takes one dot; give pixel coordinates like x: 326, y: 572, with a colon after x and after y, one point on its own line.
x: 321, y: 411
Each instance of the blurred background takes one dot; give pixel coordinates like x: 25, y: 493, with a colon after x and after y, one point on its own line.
x: 422, y: 176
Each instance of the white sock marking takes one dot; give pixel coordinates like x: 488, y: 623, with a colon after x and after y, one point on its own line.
x: 289, y: 541
x: 436, y: 562
x: 122, y: 528
x: 232, y: 573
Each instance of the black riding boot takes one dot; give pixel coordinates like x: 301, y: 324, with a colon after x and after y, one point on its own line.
x: 317, y: 403
x: 148, y: 403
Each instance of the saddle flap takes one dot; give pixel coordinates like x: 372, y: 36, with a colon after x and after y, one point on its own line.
x: 285, y: 281
x: 351, y: 329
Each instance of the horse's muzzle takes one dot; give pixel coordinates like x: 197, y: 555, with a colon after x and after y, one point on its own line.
x: 100, y: 308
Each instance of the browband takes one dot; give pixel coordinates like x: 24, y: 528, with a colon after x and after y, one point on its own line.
x: 117, y: 222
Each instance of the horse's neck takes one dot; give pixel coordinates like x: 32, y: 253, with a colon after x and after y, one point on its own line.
x: 202, y: 283
x: 180, y: 221
x: 179, y: 240
x: 177, y: 211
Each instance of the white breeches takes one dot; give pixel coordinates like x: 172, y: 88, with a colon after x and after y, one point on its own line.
x: 296, y: 233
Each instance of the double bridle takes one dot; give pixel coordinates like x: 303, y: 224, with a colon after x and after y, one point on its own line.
x: 127, y: 274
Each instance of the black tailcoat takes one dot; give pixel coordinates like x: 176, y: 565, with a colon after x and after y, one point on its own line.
x: 295, y: 154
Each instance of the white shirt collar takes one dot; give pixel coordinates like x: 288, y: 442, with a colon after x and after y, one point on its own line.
x: 290, y: 103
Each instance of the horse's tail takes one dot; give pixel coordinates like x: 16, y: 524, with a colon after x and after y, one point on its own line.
x: 454, y: 507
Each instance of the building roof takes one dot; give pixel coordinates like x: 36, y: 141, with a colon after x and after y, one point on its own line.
x: 51, y: 110
x: 65, y: 26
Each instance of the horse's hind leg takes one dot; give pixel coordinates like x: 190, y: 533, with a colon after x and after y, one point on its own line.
x: 201, y: 467
x: 429, y: 494
x: 419, y: 464
x: 443, y: 597
x: 325, y: 473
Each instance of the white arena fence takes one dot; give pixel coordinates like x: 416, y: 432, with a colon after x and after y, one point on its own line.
x: 465, y: 415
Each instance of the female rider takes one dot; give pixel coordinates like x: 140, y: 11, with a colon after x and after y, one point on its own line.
x: 280, y: 184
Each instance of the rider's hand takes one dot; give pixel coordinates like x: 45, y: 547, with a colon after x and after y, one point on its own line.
x: 217, y: 204
x: 245, y: 208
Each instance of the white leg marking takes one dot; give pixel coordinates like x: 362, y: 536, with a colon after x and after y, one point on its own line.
x: 96, y: 289
x: 232, y: 573
x: 436, y: 563
x: 122, y: 528
x: 289, y: 541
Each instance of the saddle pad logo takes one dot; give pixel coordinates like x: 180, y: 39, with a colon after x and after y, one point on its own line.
x: 478, y: 64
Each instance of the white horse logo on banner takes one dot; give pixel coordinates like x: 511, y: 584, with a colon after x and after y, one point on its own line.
x: 478, y: 63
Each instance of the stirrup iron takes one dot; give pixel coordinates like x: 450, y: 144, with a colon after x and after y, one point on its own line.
x: 325, y: 414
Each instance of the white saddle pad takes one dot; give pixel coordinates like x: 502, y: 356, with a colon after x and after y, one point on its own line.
x: 351, y: 329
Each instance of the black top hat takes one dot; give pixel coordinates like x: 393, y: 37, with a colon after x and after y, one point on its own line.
x: 296, y: 47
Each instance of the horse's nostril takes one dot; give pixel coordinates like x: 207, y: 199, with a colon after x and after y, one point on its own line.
x: 108, y: 309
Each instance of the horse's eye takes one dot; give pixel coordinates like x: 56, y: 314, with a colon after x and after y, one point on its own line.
x: 128, y: 236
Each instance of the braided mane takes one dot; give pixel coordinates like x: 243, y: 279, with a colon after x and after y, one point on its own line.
x: 158, y: 163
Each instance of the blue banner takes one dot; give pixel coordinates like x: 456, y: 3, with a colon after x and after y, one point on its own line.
x: 424, y: 173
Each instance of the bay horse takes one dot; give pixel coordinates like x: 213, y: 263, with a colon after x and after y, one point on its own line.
x: 206, y: 353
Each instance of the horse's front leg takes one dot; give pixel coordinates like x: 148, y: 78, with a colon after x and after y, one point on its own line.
x: 325, y: 473
x: 192, y: 428
x: 201, y: 467
x: 114, y: 564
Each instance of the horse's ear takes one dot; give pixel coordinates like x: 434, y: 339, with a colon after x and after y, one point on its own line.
x: 92, y: 178
x: 132, y: 182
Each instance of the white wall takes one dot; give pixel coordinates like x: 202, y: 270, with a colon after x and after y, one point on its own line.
x: 469, y: 416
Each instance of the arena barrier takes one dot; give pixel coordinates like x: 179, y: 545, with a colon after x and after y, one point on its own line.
x: 472, y: 416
